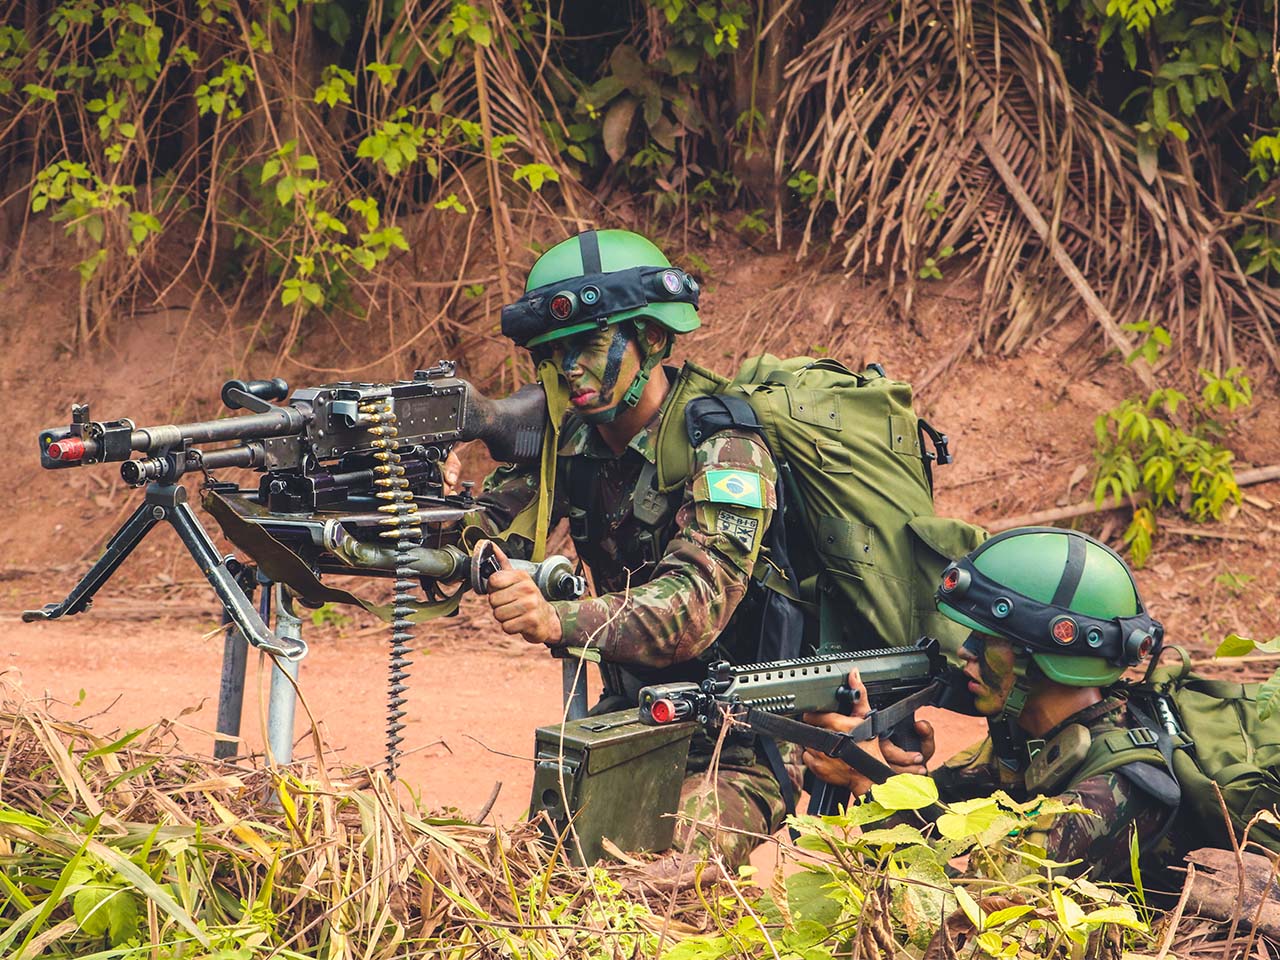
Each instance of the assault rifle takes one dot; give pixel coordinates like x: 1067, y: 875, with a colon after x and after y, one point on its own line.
x: 351, y: 484
x: 767, y: 699
x: 618, y: 775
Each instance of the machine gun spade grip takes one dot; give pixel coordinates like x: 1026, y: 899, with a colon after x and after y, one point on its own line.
x: 484, y: 564
x: 554, y: 576
x: 274, y: 389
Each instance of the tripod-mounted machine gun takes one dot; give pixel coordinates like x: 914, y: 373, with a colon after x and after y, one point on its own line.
x: 351, y: 484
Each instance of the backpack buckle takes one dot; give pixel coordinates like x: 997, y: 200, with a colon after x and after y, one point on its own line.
x: 1142, y: 737
x: 579, y: 525
x: 941, y: 453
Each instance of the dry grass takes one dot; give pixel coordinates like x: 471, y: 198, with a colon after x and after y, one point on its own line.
x: 131, y: 848
x: 196, y: 856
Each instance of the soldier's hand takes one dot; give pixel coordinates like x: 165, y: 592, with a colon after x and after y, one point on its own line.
x: 910, y: 761
x: 518, y: 604
x: 450, y: 472
x: 833, y: 771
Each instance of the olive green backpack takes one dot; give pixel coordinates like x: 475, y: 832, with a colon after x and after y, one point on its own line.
x: 866, y: 546
x: 1217, y: 737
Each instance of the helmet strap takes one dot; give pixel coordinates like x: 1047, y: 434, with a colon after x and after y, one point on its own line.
x: 1008, y: 739
x: 651, y: 360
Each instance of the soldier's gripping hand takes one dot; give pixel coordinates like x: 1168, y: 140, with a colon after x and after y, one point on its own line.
x: 518, y: 604
x: 451, y: 472
x: 841, y: 774
x: 910, y: 761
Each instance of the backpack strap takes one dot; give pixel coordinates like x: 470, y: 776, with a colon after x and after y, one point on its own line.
x: 674, y: 454
x: 1118, y: 749
x: 704, y: 417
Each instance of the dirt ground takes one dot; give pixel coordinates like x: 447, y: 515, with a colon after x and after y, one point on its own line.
x: 1021, y: 430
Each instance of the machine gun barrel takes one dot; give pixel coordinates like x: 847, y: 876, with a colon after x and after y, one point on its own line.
x: 117, y: 440
x: 281, y: 422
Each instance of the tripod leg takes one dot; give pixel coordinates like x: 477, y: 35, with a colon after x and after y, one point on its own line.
x: 231, y: 689
x: 283, y: 698
x: 224, y: 584
x: 118, y: 548
x: 235, y: 651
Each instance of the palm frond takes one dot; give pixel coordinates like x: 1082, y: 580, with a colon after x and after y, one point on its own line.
x: 950, y: 123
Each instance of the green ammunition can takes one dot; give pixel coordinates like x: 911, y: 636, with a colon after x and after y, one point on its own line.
x: 612, y: 776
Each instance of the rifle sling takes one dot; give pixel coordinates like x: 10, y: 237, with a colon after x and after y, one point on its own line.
x: 844, y: 746
x: 839, y: 745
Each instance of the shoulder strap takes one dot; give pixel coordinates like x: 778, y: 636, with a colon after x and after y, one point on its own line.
x: 673, y: 452
x: 1115, y: 748
x: 704, y: 417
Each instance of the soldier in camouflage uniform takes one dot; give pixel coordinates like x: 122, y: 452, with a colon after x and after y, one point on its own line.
x: 1056, y: 619
x: 670, y: 568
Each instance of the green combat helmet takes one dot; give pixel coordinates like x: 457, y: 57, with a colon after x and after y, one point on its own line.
x: 1069, y: 601
x: 600, y: 278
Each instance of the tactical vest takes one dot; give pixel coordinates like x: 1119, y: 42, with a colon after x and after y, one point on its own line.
x: 641, y: 539
x: 1113, y: 750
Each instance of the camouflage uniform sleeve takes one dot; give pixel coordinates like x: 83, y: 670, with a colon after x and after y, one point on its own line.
x: 1101, y: 840
x: 676, y: 614
x: 968, y: 774
x: 504, y: 493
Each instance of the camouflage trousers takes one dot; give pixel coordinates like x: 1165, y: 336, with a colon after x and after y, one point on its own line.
x: 727, y: 810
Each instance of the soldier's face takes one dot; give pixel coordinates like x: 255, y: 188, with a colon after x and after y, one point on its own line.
x: 598, y: 366
x: 988, y: 663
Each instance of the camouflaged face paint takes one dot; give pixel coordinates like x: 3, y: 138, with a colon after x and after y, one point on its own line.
x: 994, y: 657
x: 613, y: 364
x: 600, y: 368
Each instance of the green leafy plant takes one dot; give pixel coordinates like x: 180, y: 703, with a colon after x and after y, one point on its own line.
x: 753, y: 225
x: 1234, y: 645
x: 879, y: 886
x: 806, y: 186
x: 931, y: 270
x: 329, y: 614
x: 1164, y: 453
x: 1235, y: 583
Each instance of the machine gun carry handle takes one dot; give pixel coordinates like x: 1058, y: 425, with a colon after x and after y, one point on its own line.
x: 253, y: 394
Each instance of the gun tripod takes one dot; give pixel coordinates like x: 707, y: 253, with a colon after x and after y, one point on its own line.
x: 234, y: 583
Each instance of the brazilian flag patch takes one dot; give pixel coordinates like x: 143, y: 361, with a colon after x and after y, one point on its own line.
x: 734, y: 486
